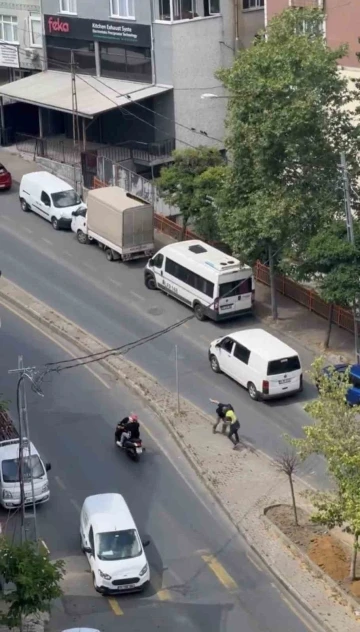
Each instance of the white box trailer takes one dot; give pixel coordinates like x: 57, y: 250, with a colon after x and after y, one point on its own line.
x: 124, y: 227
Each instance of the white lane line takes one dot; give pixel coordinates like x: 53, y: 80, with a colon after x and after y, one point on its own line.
x: 88, y: 266
x: 140, y: 298
x: 47, y: 241
x: 59, y: 482
x: 118, y: 283
x: 28, y: 230
x: 9, y: 219
x: 208, y: 340
x: 75, y: 504
x: 67, y: 253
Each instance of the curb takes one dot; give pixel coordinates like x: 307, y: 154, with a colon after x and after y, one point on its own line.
x: 314, y: 568
x: 165, y: 418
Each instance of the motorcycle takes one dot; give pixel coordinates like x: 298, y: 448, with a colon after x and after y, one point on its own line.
x: 133, y: 447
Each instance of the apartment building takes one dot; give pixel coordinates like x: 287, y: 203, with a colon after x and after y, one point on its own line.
x: 139, y: 69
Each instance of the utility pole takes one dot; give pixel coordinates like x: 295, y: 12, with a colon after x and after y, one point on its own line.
x: 75, y: 118
x: 351, y: 239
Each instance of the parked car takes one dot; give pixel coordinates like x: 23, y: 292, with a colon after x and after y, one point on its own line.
x: 5, y: 178
x: 353, y: 394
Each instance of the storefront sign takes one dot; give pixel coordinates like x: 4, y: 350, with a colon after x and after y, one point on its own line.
x: 9, y: 56
x: 101, y: 30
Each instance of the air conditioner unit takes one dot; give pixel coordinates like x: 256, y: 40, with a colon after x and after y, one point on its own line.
x: 307, y: 4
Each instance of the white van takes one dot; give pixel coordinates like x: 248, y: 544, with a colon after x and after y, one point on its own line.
x: 49, y: 196
x: 259, y: 361
x: 110, y: 539
x: 213, y: 284
x: 33, y: 468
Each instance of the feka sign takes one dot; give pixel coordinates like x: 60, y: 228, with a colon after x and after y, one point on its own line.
x: 100, y: 30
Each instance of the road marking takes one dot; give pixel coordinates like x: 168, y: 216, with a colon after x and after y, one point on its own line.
x: 118, y: 283
x: 75, y: 504
x: 9, y: 219
x: 89, y: 266
x: 115, y: 607
x: 60, y: 483
x: 28, y: 230
x: 67, y: 253
x: 219, y: 571
x: 141, y: 298
x: 207, y: 340
x: 45, y: 546
x: 47, y: 241
x: 53, y: 340
x: 164, y: 595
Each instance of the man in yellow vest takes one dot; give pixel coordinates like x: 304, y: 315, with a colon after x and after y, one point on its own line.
x: 234, y: 426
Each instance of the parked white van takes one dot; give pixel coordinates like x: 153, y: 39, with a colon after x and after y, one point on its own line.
x: 33, y: 468
x: 110, y: 539
x: 259, y: 361
x: 49, y: 196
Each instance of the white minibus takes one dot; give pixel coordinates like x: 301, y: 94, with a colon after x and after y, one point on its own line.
x: 213, y: 284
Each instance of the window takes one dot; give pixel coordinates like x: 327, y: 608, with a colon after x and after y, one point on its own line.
x: 8, y: 28
x: 118, y: 545
x: 125, y: 62
x: 190, y: 278
x: 59, y: 54
x: 45, y: 199
x: 68, y: 6
x: 158, y: 260
x: 235, y: 288
x: 241, y: 353
x: 285, y: 365
x: 122, y: 8
x: 91, y: 539
x: 227, y: 344
x: 64, y: 199
x: 10, y: 469
x: 174, y: 10
x: 35, y: 30
x: 252, y: 4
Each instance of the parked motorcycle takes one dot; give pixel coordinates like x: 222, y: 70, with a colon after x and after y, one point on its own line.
x: 133, y: 447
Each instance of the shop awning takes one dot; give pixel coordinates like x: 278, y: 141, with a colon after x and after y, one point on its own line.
x: 53, y: 89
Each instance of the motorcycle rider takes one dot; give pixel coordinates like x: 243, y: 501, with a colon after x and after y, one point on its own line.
x: 130, y: 429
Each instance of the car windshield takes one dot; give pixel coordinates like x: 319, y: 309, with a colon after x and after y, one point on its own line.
x: 10, y: 469
x: 118, y: 545
x: 285, y: 365
x: 235, y: 288
x: 63, y: 199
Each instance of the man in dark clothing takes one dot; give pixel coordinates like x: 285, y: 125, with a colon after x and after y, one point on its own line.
x: 233, y: 432
x: 131, y: 429
x: 221, y: 411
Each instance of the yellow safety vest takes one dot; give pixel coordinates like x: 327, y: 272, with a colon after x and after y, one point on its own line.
x: 230, y: 416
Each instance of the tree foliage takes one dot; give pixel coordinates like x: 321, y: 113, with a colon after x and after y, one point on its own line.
x: 287, y: 124
x: 178, y: 183
x: 336, y: 436
x: 36, y: 580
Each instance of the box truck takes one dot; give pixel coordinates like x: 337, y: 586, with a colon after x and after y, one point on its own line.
x: 122, y: 226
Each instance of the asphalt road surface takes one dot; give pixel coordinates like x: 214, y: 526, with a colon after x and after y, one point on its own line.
x: 203, y: 576
x: 111, y: 301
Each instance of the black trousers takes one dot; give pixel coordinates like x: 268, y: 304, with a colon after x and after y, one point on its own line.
x: 233, y: 432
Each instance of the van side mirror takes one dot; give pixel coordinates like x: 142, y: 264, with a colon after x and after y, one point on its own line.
x: 146, y: 543
x: 88, y: 549
x: 48, y: 467
x: 151, y: 262
x: 218, y: 344
x: 74, y: 213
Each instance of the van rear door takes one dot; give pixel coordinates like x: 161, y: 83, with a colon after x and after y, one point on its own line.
x: 284, y: 375
x: 234, y: 296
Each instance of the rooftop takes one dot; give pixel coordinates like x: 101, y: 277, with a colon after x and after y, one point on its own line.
x: 263, y: 343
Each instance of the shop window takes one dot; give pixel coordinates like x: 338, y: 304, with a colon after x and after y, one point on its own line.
x: 8, y: 28
x: 125, y: 62
x: 59, y: 55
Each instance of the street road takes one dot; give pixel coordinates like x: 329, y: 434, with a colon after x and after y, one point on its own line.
x: 111, y: 301
x: 202, y: 574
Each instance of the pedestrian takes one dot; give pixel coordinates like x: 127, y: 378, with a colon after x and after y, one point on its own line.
x: 234, y: 424
x: 221, y: 415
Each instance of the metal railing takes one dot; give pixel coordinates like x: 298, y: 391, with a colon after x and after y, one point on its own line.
x: 52, y: 148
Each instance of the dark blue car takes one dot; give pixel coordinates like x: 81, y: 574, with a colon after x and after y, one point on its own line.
x: 353, y: 394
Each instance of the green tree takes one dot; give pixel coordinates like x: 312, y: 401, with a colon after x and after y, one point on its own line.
x: 335, y: 263
x: 35, y: 578
x: 336, y: 436
x: 177, y: 182
x: 287, y: 124
x: 207, y: 187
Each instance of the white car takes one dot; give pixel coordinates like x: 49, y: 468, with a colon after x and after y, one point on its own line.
x: 263, y: 364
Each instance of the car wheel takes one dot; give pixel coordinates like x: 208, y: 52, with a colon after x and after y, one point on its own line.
x: 24, y: 206
x: 199, y: 311
x: 55, y: 223
x: 214, y: 364
x: 150, y: 283
x: 81, y: 237
x: 253, y: 392
x: 109, y: 255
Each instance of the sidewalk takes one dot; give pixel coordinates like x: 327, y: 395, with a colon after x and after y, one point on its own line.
x: 294, y: 320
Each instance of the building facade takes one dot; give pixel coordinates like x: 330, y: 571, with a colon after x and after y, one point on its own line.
x: 134, y: 71
x: 341, y: 23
